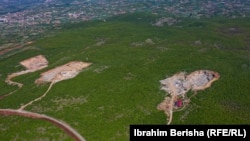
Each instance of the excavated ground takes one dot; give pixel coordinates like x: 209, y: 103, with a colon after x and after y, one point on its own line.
x: 32, y: 64
x: 67, y: 71
x: 179, y: 84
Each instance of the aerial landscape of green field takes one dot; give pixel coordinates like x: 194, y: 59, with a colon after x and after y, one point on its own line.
x: 121, y: 87
x: 129, y: 55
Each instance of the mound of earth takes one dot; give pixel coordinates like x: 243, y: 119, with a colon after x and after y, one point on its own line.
x: 179, y: 84
x: 67, y: 71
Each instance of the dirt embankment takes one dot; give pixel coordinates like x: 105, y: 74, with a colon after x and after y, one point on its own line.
x: 179, y: 84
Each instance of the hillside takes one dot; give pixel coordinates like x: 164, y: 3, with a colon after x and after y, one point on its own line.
x: 130, y: 54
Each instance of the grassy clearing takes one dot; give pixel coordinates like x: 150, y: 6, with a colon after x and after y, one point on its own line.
x: 122, y: 85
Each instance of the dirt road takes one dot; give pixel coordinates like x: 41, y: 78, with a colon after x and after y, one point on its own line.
x: 64, y: 126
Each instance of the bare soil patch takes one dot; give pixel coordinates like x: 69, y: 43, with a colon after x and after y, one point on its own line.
x: 35, y: 63
x: 179, y: 84
x: 166, y: 20
x: 233, y: 31
x: 67, y: 71
x: 32, y: 64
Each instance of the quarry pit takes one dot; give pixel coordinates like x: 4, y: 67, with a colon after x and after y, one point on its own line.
x: 177, y: 87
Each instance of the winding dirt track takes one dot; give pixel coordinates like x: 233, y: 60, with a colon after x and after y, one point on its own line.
x: 39, y: 98
x: 5, y: 95
x: 69, y: 130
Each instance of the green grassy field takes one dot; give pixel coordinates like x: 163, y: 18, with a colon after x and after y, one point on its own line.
x: 122, y: 85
